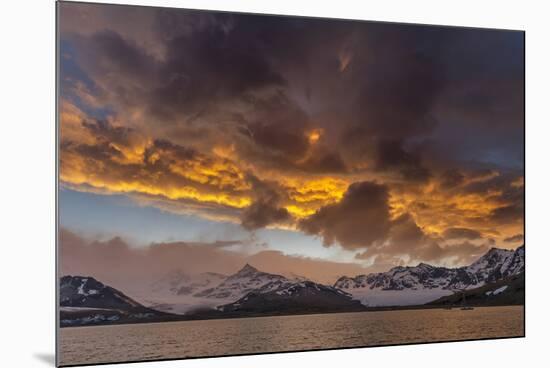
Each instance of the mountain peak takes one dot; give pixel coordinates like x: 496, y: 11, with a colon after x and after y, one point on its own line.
x: 494, y: 253
x: 247, y: 269
x: 85, y: 291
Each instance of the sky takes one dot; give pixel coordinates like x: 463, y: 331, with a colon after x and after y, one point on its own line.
x: 315, y: 146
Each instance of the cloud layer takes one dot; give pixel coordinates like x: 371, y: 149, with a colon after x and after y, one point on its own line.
x: 118, y: 263
x: 399, y: 143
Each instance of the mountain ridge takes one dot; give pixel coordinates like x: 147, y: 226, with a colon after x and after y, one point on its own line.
x: 83, y: 300
x: 432, y: 281
x: 252, y: 292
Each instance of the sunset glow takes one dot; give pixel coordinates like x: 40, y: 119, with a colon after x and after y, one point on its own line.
x: 238, y: 131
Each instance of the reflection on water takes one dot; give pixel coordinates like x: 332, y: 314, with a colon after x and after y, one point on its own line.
x: 283, y: 333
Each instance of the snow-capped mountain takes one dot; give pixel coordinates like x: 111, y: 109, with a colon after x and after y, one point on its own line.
x: 497, y: 264
x: 250, y: 292
x: 299, y: 297
x: 181, y: 293
x: 87, y: 292
x: 86, y: 301
x: 423, y: 283
x: 507, y: 291
x: 243, y: 282
x: 254, y: 292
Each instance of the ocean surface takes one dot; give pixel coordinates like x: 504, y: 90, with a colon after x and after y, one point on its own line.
x: 172, y: 340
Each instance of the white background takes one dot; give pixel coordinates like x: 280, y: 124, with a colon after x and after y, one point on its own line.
x: 27, y: 181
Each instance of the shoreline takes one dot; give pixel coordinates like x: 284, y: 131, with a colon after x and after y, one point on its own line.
x: 183, y: 318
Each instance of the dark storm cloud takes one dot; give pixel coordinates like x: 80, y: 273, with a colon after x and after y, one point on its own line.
x: 507, y: 214
x: 201, y: 67
x: 325, y: 162
x: 419, y: 247
x: 461, y: 233
x: 266, y: 209
x: 262, y: 115
x: 104, y: 130
x: 514, y: 239
x: 451, y: 178
x: 224, y: 64
x: 279, y: 126
x: 390, y: 155
x: 100, y: 152
x: 506, y: 189
x: 484, y: 105
x: 422, y: 72
x: 358, y: 220
x: 409, y: 76
x: 261, y: 214
x: 394, y: 78
x: 405, y: 232
x: 405, y: 239
x: 407, y: 70
x: 487, y: 181
x: 106, y: 51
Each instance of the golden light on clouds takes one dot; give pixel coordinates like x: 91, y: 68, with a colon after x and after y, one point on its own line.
x: 360, y: 141
x: 435, y: 211
x: 70, y: 118
x: 314, y: 135
x: 323, y: 190
x: 224, y: 151
x: 137, y: 165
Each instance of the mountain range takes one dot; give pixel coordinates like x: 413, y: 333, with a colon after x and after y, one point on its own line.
x: 508, y: 291
x: 251, y: 292
x: 424, y: 283
x: 84, y: 301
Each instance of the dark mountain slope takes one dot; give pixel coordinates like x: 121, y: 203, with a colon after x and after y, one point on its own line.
x: 508, y: 291
x: 298, y: 298
x: 86, y: 301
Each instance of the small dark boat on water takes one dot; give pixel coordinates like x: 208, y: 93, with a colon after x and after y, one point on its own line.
x: 464, y: 306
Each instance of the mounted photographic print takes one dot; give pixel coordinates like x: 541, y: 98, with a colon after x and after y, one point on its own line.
x: 237, y: 184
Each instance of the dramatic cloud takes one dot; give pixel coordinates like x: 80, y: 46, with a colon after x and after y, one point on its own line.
x: 402, y: 143
x: 266, y: 208
x: 514, y: 239
x: 390, y: 155
x: 408, y: 243
x: 461, y: 233
x: 507, y: 214
x: 358, y: 220
x: 451, y: 179
x: 117, y: 263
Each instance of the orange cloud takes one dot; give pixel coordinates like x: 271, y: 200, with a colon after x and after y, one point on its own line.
x: 109, y: 158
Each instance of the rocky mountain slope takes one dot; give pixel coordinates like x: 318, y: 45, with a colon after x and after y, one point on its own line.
x: 181, y: 293
x: 423, y: 283
x: 300, y: 297
x: 87, y: 292
x: 254, y: 292
x: 86, y: 301
x: 494, y: 279
x: 243, y: 282
x: 508, y: 291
